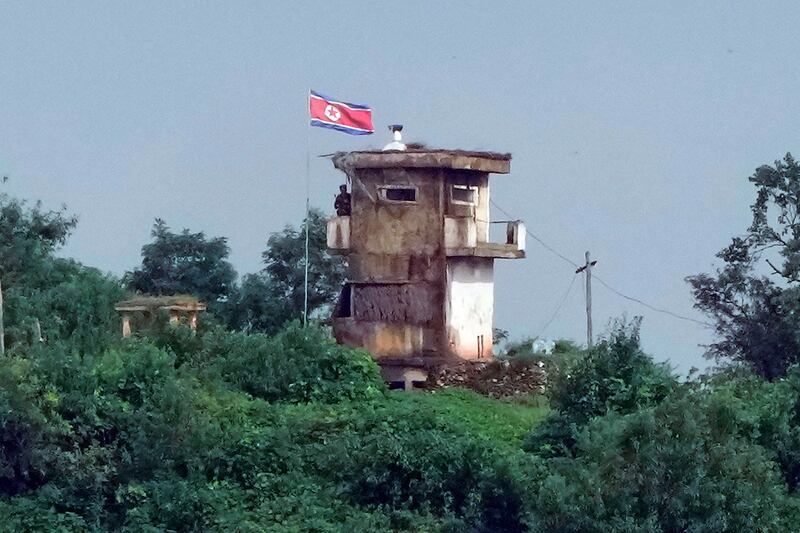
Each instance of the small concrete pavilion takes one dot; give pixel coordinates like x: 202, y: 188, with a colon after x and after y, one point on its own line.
x: 178, y: 307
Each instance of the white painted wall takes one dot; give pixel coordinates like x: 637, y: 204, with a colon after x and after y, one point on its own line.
x: 338, y: 233
x: 470, y: 305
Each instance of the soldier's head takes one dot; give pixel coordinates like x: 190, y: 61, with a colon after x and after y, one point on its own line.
x: 343, y: 188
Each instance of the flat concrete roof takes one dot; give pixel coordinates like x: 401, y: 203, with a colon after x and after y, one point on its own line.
x: 150, y: 303
x: 493, y: 162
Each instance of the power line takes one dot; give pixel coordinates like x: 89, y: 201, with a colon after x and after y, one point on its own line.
x: 558, y: 307
x: 537, y: 239
x: 647, y: 305
x: 600, y: 280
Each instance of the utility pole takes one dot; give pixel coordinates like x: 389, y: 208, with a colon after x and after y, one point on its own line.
x: 587, y: 269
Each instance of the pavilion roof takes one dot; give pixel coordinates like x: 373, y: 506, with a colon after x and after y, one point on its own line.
x: 179, y: 302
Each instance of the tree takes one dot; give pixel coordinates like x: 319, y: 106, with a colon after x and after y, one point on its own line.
x: 254, y: 306
x: 269, y: 299
x: 285, y: 266
x: 756, y: 317
x: 184, y: 263
x: 29, y: 234
x: 59, y: 298
x: 614, y: 375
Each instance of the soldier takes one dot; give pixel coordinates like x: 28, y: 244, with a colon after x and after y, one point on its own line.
x: 342, y: 203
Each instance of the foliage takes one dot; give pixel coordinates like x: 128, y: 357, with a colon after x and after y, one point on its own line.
x: 756, y: 318
x: 254, y: 306
x: 284, y: 266
x: 60, y: 299
x: 565, y: 355
x: 66, y: 302
x: 297, y: 365
x: 678, y: 466
x: 176, y: 430
x: 28, y: 515
x: 28, y: 235
x: 405, y: 452
x: 765, y: 413
x: 183, y: 263
x: 432, y: 471
x: 615, y: 375
x: 269, y: 299
x: 128, y: 440
x: 503, y: 422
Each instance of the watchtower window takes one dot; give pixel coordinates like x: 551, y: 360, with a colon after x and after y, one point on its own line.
x: 399, y: 194
x: 464, y: 194
x: 344, y: 307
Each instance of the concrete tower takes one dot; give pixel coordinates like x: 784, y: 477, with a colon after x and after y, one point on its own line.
x: 419, y: 289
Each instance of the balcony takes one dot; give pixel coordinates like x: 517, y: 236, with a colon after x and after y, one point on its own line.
x: 338, y: 234
x: 461, y: 240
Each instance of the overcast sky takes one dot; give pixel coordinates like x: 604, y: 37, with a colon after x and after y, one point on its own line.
x: 633, y: 126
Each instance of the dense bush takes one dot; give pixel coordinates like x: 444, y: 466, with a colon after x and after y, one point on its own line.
x: 433, y: 471
x: 615, y: 375
x: 147, y: 437
x: 765, y: 413
x: 679, y: 466
x: 296, y: 365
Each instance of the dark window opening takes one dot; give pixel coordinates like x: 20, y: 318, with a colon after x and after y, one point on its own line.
x: 464, y: 194
x: 344, y: 309
x: 397, y: 385
x: 400, y: 194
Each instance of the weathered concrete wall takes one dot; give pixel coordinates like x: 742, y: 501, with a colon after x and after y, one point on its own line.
x: 410, y: 303
x: 380, y: 226
x: 385, y: 339
x: 470, y: 306
x: 390, y: 268
x: 479, y: 212
x: 460, y: 232
x: 396, y: 263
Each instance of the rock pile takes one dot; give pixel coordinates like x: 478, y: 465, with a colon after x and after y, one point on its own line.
x: 496, y: 378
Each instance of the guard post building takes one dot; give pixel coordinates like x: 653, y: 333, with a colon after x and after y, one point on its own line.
x: 419, y: 289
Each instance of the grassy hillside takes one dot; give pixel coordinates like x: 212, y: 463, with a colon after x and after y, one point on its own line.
x: 504, y: 422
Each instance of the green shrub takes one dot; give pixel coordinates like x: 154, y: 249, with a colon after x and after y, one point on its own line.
x: 678, y: 466
x: 432, y: 471
x: 30, y: 427
x: 767, y: 413
x: 296, y: 365
x: 25, y: 515
x: 615, y: 375
x: 73, y: 305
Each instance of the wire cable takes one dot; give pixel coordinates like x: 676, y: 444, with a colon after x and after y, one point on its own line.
x: 558, y: 307
x: 600, y: 280
x: 537, y: 239
x: 647, y: 305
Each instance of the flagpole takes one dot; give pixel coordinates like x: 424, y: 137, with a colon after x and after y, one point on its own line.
x: 308, y: 193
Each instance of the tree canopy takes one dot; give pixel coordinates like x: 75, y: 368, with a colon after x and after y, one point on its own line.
x: 28, y: 235
x: 46, y: 297
x: 184, y: 263
x: 266, y: 300
x: 757, y: 317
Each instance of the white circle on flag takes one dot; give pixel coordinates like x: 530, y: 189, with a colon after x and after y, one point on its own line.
x: 333, y: 113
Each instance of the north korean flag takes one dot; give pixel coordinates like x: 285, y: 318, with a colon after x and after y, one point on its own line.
x: 355, y: 119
